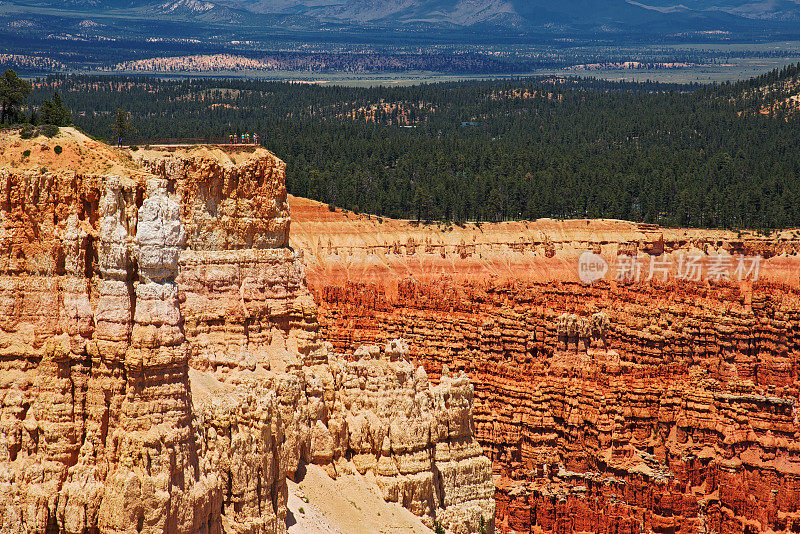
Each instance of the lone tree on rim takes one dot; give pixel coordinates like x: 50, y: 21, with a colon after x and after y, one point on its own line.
x: 55, y: 112
x: 13, y: 91
x: 122, y: 125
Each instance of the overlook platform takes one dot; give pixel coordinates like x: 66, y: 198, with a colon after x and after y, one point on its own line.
x: 178, y: 142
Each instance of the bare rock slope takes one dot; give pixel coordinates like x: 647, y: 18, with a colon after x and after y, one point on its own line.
x: 161, y: 364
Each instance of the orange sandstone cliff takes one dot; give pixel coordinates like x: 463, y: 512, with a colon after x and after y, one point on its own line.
x: 162, y: 369
x: 621, y: 406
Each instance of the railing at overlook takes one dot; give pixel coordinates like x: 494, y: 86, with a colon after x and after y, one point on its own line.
x: 168, y: 141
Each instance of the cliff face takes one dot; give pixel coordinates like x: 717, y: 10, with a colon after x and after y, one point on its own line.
x: 161, y: 364
x: 612, y: 407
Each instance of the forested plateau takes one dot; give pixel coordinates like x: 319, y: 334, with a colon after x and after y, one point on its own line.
x: 719, y: 156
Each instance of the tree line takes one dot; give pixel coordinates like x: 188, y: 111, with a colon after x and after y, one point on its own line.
x: 561, y: 147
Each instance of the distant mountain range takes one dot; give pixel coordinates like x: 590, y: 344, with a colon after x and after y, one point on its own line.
x: 523, y: 13
x: 565, y: 16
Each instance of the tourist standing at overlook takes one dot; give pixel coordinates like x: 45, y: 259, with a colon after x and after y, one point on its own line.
x: 244, y: 139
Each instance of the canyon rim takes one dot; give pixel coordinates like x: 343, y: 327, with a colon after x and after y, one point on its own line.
x: 181, y: 342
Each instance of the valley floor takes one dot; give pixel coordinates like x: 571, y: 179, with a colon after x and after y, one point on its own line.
x: 348, y: 504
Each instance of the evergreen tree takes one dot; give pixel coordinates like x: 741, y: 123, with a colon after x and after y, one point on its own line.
x: 55, y: 112
x: 122, y: 126
x: 13, y: 92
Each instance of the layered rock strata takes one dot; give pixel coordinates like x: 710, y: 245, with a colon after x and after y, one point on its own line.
x: 161, y: 365
x: 613, y: 407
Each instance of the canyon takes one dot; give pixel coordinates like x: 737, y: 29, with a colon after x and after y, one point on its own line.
x: 186, y: 348
x: 625, y: 405
x: 162, y: 367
